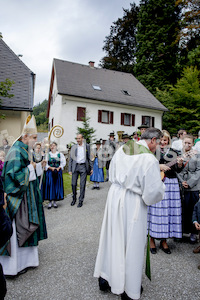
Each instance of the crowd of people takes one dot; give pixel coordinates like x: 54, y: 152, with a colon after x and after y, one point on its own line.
x: 155, y: 185
x: 139, y: 203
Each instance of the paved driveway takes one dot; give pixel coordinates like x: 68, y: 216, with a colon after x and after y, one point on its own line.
x: 67, y: 260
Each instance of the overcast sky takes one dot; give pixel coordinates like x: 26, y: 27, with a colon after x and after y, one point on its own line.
x: 72, y: 30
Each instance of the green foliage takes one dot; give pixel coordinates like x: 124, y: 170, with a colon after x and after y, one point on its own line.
x: 86, y: 130
x: 156, y: 54
x: 194, y: 57
x: 40, y: 112
x: 190, y: 22
x: 120, y: 45
x: 183, y: 102
x: 5, y: 87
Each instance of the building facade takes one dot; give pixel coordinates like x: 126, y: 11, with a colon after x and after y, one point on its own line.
x: 114, y: 101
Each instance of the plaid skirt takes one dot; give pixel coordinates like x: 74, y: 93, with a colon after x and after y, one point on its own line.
x: 165, y: 217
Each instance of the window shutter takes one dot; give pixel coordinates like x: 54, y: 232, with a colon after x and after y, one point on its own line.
x: 122, y: 118
x: 153, y: 121
x: 133, y: 120
x: 111, y: 117
x: 99, y: 116
x: 78, y: 113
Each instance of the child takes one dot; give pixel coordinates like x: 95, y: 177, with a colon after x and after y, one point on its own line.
x: 196, y: 222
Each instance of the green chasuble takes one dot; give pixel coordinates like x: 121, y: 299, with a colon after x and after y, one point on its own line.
x: 16, y: 183
x: 132, y: 148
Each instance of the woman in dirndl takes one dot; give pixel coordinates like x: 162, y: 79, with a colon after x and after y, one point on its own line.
x: 98, y: 164
x: 164, y: 218
x: 54, y: 180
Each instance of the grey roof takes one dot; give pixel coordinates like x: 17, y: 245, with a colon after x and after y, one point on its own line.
x: 78, y: 80
x: 13, y: 68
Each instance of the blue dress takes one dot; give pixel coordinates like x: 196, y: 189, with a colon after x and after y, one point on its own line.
x: 54, y: 181
x: 97, y: 175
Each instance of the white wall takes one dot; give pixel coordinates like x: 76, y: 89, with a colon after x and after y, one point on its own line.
x: 64, y: 112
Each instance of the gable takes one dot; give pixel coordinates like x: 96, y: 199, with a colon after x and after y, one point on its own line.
x: 13, y: 68
x: 103, y: 85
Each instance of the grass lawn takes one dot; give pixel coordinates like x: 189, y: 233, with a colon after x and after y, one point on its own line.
x: 67, y: 182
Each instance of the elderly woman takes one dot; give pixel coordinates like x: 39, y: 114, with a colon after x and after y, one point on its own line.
x: 54, y: 181
x: 164, y: 217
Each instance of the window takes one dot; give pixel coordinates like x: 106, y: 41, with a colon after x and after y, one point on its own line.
x: 80, y: 113
x: 52, y: 121
x: 126, y: 93
x: 149, y: 121
x: 96, y: 87
x: 105, y: 116
x: 127, y: 119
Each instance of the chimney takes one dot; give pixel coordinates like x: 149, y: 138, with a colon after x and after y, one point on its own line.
x: 91, y: 64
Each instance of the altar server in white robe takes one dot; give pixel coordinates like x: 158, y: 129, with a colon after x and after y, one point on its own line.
x: 136, y: 183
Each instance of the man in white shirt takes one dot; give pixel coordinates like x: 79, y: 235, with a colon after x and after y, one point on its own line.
x: 79, y: 164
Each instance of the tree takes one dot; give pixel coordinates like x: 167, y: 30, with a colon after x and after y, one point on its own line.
x: 86, y: 130
x: 190, y: 21
x: 156, y: 54
x: 5, y: 87
x: 188, y: 36
x: 183, y: 102
x: 40, y: 112
x: 194, y: 57
x: 120, y: 45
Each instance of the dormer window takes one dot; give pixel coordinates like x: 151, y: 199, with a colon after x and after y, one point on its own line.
x: 96, y: 87
x: 126, y: 93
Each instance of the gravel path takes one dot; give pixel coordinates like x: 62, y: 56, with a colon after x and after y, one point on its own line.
x: 67, y: 260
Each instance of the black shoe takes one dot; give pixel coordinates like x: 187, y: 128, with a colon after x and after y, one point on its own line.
x: 167, y: 250
x: 98, y: 188
x: 141, y: 291
x: 106, y: 180
x: 178, y: 240
x: 103, y: 285
x: 124, y: 296
x: 22, y: 271
x: 80, y: 204
x: 73, y: 202
x: 153, y: 250
x: 94, y: 187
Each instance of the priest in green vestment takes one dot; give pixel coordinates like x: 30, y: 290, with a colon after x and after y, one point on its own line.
x: 24, y: 204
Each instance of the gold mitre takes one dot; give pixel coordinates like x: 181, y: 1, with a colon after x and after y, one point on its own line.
x: 30, y: 126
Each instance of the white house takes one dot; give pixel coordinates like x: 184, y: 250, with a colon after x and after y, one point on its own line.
x: 113, y: 100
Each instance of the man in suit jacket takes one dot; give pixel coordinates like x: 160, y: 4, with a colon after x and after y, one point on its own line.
x: 79, y: 164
